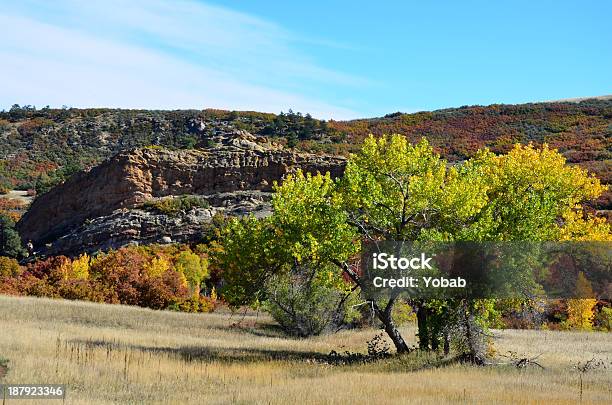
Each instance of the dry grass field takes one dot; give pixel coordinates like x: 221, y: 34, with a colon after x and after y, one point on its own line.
x: 115, y: 354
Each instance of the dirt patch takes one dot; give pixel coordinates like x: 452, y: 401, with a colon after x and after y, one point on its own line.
x: 18, y: 195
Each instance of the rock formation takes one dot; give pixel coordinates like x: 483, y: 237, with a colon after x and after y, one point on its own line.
x: 101, y: 208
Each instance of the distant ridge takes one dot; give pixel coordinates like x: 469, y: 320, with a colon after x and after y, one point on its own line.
x: 579, y: 99
x: 40, y: 148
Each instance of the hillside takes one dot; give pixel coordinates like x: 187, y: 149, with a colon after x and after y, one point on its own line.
x: 40, y: 148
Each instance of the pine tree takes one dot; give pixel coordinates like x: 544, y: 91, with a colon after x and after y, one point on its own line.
x: 10, y: 242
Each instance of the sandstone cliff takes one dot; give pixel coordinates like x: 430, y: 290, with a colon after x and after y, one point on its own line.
x: 100, y: 208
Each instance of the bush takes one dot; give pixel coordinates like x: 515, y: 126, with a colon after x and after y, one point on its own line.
x: 174, y: 205
x: 80, y: 289
x: 79, y: 268
x: 119, y: 272
x: 9, y: 267
x: 155, y: 277
x: 52, y: 270
x: 10, y: 242
x: 603, y: 319
x: 195, y: 303
x: 38, y: 287
x: 580, y: 313
x: 10, y: 286
x: 161, y: 292
x: 12, y: 208
x: 306, y: 304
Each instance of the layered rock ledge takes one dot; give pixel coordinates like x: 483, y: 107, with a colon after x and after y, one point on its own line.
x: 100, y: 208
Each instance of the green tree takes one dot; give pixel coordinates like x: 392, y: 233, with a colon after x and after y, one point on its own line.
x: 10, y: 242
x: 286, y: 260
x: 193, y: 267
x: 393, y: 190
x: 248, y: 256
x: 397, y: 191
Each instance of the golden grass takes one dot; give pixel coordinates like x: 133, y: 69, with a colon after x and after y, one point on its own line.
x: 117, y: 354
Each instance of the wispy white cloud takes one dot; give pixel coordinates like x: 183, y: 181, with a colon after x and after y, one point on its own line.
x: 157, y: 54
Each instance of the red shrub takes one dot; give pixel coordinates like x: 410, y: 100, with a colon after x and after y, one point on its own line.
x: 160, y: 292
x: 49, y: 269
x: 119, y: 272
x: 10, y: 286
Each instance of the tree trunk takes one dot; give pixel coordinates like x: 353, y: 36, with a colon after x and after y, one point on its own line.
x: 394, y: 334
x: 422, y: 327
x: 396, y: 337
x: 446, y: 343
x: 473, y: 334
x: 390, y: 328
x: 384, y: 316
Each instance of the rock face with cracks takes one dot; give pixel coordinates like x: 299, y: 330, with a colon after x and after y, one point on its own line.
x: 103, y: 208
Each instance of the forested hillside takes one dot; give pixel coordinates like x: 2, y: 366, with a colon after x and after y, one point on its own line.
x: 41, y: 147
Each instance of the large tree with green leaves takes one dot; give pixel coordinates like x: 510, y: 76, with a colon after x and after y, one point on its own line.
x: 302, y: 240
x: 396, y: 191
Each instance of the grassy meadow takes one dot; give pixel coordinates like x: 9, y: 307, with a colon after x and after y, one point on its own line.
x: 108, y: 354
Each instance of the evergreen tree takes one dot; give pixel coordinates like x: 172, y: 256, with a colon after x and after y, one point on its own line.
x: 10, y: 242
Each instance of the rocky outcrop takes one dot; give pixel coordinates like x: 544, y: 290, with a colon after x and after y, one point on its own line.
x: 140, y: 226
x: 128, y: 226
x: 100, y: 207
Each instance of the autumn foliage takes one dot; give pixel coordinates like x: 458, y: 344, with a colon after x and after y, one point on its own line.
x: 153, y: 277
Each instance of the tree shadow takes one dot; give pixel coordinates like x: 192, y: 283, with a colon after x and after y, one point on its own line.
x: 260, y: 330
x: 209, y: 353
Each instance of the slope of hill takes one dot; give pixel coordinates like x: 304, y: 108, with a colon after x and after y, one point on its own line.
x: 40, y: 148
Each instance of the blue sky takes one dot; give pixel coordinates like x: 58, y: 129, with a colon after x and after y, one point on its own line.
x: 334, y: 59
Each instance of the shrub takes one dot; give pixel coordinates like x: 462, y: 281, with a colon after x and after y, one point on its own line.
x: 194, y: 268
x: 603, y: 319
x: 306, y: 304
x: 10, y: 286
x: 157, y: 267
x: 39, y: 287
x: 12, y: 208
x: 79, y: 289
x: 10, y: 242
x: 580, y: 313
x: 155, y: 277
x: 119, y: 273
x: 9, y: 267
x: 160, y: 292
x: 32, y: 125
x: 195, y: 303
x: 52, y: 270
x: 174, y: 205
x: 79, y: 268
